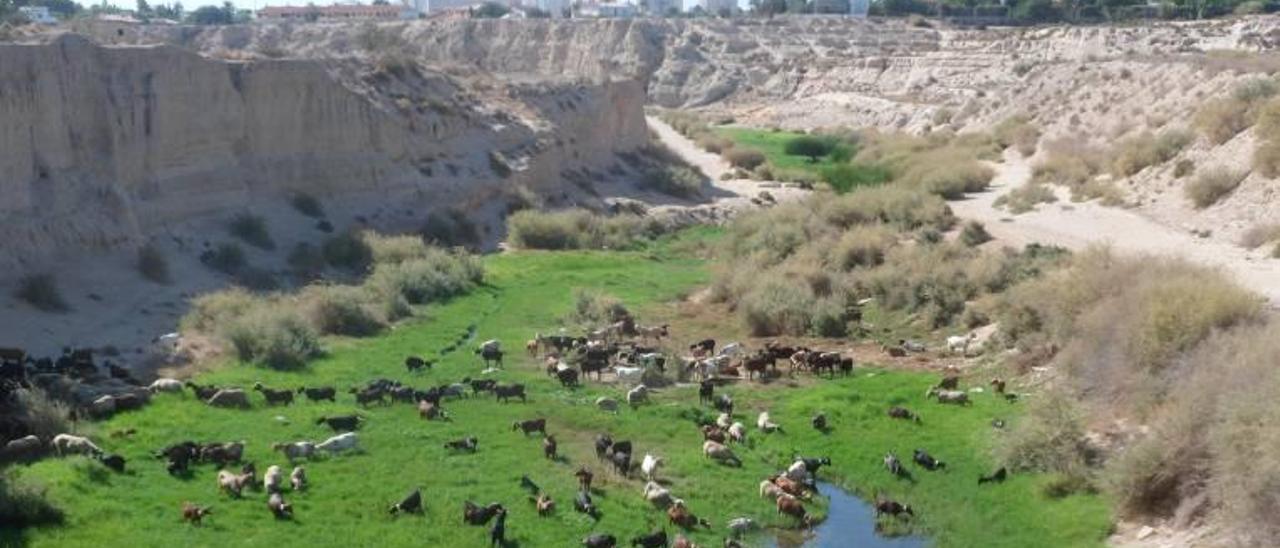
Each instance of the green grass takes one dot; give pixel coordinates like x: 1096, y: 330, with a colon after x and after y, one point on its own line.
x: 528, y: 291
x: 843, y: 176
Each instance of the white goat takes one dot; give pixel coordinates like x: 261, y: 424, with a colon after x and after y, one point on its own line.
x: 273, y: 479
x: 165, y: 385
x: 764, y: 423
x: 67, y: 444
x: 650, y: 466
x: 339, y: 443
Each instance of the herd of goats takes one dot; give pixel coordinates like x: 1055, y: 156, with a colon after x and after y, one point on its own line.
x: 620, y: 350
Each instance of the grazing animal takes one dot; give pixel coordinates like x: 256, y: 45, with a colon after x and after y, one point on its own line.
x: 582, y: 503
x: 741, y: 526
x: 912, y: 346
x: 706, y: 391
x: 846, y: 367
x: 179, y: 456
x: 629, y: 375
x: 683, y: 542
x: 603, y: 444
x: 621, y: 446
x: 194, y: 513
x: 607, y: 404
x: 895, y: 351
x: 479, y: 515
x: 415, y: 363
x: 568, y: 377
x: 114, y: 462
x: 678, y: 514
x: 657, y: 495
x: 995, y: 477
x: 791, y: 487
x: 892, y: 508
x: 819, y: 422
x: 738, y: 433
x: 165, y: 385
x: 720, y: 453
x: 549, y: 448
x: 232, y: 483
x: 797, y: 472
x: 997, y: 423
x: 724, y: 404
x: 339, y: 443
x: 543, y: 504
x: 926, y: 460
x: 656, y: 539
x: 792, y: 506
x: 229, y: 397
x: 319, y: 394
x: 600, y: 540
x: 812, y: 465
x: 298, y: 478
x: 638, y: 395
x: 67, y: 444
x: 949, y: 382
x: 531, y: 425
x: 203, y: 392
x: 506, y: 392
x: 345, y: 423
x: 999, y: 385
x: 960, y: 343
x: 703, y: 347
x: 491, y: 353
x: 273, y: 480
x: 621, y: 462
x: 468, y: 444
x: 954, y: 397
x: 410, y: 504
x: 274, y: 397
x: 528, y: 485
x: 766, y: 425
x: 295, y: 450
x: 430, y: 411
x: 757, y: 364
x: 279, y: 508
x: 498, y: 533
x: 650, y: 466
x: 652, y: 332
x: 482, y: 385
x: 770, y: 490
x: 222, y: 453
x: 724, y: 420
x: 23, y: 449
x: 369, y: 395
x: 584, y: 478
x: 713, y: 433
x: 897, y: 412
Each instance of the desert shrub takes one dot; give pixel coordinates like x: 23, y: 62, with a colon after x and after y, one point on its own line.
x: 594, y: 308
x: 744, y: 158
x: 974, y: 234
x: 348, y: 251
x: 950, y: 181
x: 844, y: 177
x: 252, y: 229
x: 1211, y: 185
x: 578, y: 229
x: 276, y: 337
x: 499, y: 164
x: 395, y: 249
x: 1221, y: 119
x: 1147, y: 149
x: 777, y: 307
x: 40, y: 415
x: 306, y: 261
x: 307, y: 204
x: 24, y: 505
x: 213, y: 311
x: 428, y: 279
x: 902, y: 208
x: 152, y: 264
x: 714, y: 143
x: 1260, y: 234
x: 862, y: 246
x: 450, y: 227
x: 1018, y: 132
x: 679, y: 181
x: 1183, y: 168
x: 1275, y: 252
x: 1050, y: 438
x: 1025, y: 198
x: 226, y: 257
x: 1255, y: 89
x: 1068, y: 163
x: 342, y: 310
x: 41, y: 291
x: 810, y: 146
x: 1266, y: 158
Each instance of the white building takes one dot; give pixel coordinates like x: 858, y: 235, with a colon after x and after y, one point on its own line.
x: 38, y: 14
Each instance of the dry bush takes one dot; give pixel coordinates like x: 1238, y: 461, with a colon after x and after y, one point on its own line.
x: 1183, y: 168
x: 1221, y: 119
x: 24, y: 505
x: 349, y: 251
x: 342, y: 310
x: 252, y: 229
x: 714, y: 144
x: 578, y: 229
x: 1018, y: 132
x: 744, y: 158
x: 974, y: 234
x: 678, y: 181
x: 862, y: 246
x: 1260, y: 234
x: 595, y: 308
x: 1025, y: 198
x: 452, y: 226
x: 1049, y: 438
x: 941, y: 163
x: 211, y: 311
x: 227, y: 258
x: 152, y: 264
x: 777, y: 306
x: 41, y: 415
x: 1070, y: 163
x: 274, y: 336
x: 1147, y: 149
x: 395, y: 249
x: 41, y: 291
x: 1212, y: 184
x: 307, y: 204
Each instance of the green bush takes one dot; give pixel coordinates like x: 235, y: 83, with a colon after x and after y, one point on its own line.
x: 679, y: 181
x: 744, y: 158
x: 1050, y: 438
x: 348, y: 251
x: 308, y: 205
x: 844, y: 177
x: 343, y: 310
x: 714, y: 144
x: 450, y: 227
x: 41, y: 291
x: 435, y: 276
x: 1212, y: 184
x: 276, y: 337
x: 974, y: 234
x: 24, y: 506
x: 252, y: 229
x: 395, y: 249
x: 595, y: 308
x: 578, y: 229
x: 777, y: 307
x: 810, y: 146
x: 227, y: 258
x: 152, y: 264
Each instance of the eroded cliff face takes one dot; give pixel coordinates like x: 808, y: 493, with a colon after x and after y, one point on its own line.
x: 102, y: 147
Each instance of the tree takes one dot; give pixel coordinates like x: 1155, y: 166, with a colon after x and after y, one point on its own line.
x: 769, y: 7
x: 489, y: 10
x: 144, y: 9
x: 210, y: 15
x: 808, y: 145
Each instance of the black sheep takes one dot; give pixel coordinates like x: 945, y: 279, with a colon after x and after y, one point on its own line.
x: 411, y: 504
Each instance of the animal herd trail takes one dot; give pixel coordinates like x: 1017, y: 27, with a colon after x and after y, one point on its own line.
x: 1079, y: 225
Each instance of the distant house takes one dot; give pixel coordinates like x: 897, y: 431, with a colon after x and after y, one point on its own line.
x: 336, y: 12
x: 38, y: 14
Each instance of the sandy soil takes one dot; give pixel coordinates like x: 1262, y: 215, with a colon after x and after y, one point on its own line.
x: 1079, y: 225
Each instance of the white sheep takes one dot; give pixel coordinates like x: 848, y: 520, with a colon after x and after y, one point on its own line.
x: 960, y: 343
x: 741, y: 526
x: 103, y: 407
x: 650, y: 466
x: 298, y: 479
x: 339, y: 443
x: 165, y: 385
x: 738, y: 432
x: 273, y: 479
x: 724, y: 420
x: 764, y: 423
x: 770, y: 490
x: 955, y: 397
x: 798, y: 472
x: 638, y: 395
x: 657, y: 495
x: 718, y: 452
x: 67, y: 444
x: 629, y: 375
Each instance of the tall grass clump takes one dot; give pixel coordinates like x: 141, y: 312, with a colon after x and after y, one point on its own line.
x: 276, y: 337
x: 450, y: 227
x: 40, y: 290
x: 1018, y: 132
x: 578, y: 229
x: 24, y: 506
x: 678, y: 181
x: 431, y: 278
x: 974, y: 234
x: 152, y: 264
x: 844, y: 177
x: 343, y: 310
x: 211, y: 311
x: 1049, y: 438
x: 252, y: 229
x: 743, y: 158
x: 348, y: 251
x: 1026, y: 197
x: 1147, y: 149
x: 594, y: 308
x: 1212, y: 184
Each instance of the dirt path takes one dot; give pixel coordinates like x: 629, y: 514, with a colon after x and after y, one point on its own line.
x: 1078, y: 225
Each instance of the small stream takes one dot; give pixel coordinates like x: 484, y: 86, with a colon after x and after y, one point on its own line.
x: 851, y: 522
